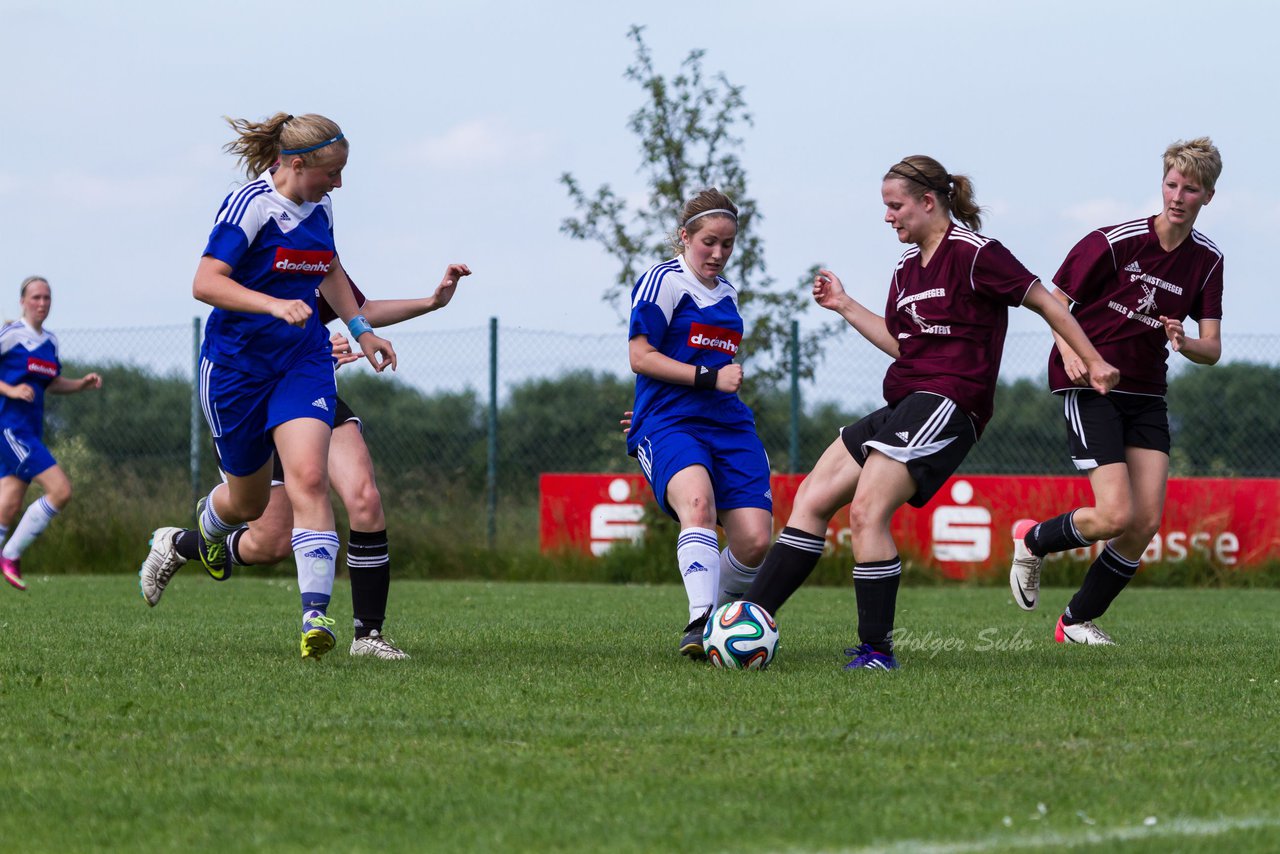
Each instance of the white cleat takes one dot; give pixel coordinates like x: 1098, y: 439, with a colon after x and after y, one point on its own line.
x: 1024, y: 575
x: 1085, y: 632
x: 160, y: 565
x: 377, y: 646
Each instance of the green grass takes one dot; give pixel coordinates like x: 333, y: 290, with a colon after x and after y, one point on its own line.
x: 538, y: 717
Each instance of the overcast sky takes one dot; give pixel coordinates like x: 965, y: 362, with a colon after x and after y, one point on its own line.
x: 463, y: 115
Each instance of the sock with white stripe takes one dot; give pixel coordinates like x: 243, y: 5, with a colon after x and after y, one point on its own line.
x: 875, y: 583
x: 211, y: 526
x: 1107, y: 576
x: 789, y: 562
x: 698, y: 552
x: 316, y: 553
x: 1058, y: 534
x: 735, y: 578
x: 4, y: 534
x: 369, y: 564
x: 38, y: 516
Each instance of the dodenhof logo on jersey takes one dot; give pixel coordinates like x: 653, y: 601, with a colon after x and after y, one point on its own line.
x: 706, y: 337
x: 43, y: 367
x: 315, y: 262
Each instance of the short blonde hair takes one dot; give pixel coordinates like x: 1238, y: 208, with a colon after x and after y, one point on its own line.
x: 1197, y: 158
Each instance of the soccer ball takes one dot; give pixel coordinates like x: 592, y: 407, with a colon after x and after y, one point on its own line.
x: 740, y: 636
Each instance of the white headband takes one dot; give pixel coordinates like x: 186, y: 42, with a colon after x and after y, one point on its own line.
x: 727, y: 213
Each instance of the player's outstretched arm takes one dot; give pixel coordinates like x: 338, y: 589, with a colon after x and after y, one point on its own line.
x: 66, y: 385
x: 336, y: 290
x: 384, y: 312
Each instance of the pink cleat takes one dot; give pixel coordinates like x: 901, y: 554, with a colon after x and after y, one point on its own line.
x: 12, y: 570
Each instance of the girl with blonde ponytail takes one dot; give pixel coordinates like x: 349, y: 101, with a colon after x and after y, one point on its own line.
x: 266, y: 380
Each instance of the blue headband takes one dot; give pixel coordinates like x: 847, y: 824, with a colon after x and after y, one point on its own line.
x: 337, y: 138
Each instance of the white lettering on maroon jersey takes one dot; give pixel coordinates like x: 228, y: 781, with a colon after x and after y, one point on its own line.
x: 304, y: 261
x: 706, y: 337
x: 42, y: 367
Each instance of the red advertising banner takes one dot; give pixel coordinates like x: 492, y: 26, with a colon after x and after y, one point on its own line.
x: 965, y: 530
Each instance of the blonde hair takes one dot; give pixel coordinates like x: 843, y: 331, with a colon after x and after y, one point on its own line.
x: 1196, y: 158
x: 31, y: 280
x: 699, y: 209
x: 258, y: 145
x: 923, y: 174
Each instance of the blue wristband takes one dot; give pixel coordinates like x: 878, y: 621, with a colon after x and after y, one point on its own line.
x: 359, y: 326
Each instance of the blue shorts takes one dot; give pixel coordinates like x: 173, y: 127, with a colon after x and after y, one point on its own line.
x: 23, y: 455
x: 243, y: 409
x: 733, y: 456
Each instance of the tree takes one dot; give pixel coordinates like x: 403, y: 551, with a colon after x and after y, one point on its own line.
x: 688, y: 141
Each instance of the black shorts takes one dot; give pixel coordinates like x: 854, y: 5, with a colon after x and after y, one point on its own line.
x: 926, y: 432
x: 1100, y: 427
x: 342, y: 414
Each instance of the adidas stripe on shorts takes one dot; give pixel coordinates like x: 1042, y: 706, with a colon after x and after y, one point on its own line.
x: 1100, y: 427
x: 242, y: 408
x: 926, y: 432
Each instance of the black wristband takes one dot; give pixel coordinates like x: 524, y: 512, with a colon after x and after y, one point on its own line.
x: 704, y: 377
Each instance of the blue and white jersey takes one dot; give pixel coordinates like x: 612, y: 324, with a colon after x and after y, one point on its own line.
x: 689, y: 322
x: 281, y: 249
x: 30, y: 357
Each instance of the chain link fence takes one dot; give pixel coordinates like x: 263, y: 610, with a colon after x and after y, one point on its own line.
x: 461, y: 431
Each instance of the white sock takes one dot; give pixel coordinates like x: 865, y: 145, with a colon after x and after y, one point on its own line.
x: 38, y: 516
x: 697, y: 550
x: 735, y: 578
x: 316, y: 554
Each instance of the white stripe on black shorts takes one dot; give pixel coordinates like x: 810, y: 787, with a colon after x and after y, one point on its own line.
x: 1100, y: 427
x: 926, y: 432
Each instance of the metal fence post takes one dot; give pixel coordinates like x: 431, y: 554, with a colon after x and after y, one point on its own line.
x: 195, y: 410
x: 491, y: 479
x: 795, y: 395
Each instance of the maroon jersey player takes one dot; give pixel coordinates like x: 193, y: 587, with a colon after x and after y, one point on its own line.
x: 1130, y: 286
x: 944, y: 326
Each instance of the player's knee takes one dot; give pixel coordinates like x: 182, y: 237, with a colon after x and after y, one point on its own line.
x: 1143, y: 530
x: 698, y: 511
x: 861, y: 518
x: 308, y: 480
x: 1113, y: 522
x: 364, y: 506
x: 249, y: 507
x: 753, y: 550
x: 60, y: 496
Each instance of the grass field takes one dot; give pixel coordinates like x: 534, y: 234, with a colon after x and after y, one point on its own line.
x: 538, y: 717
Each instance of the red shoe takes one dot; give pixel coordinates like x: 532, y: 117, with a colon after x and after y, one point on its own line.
x: 12, y: 570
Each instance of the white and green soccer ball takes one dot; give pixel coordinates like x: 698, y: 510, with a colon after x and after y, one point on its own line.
x: 740, y: 636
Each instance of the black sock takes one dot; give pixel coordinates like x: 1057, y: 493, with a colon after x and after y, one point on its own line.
x: 369, y: 564
x: 233, y: 544
x: 788, y: 563
x: 187, y: 544
x: 875, y: 583
x: 1055, y: 535
x: 1106, y: 577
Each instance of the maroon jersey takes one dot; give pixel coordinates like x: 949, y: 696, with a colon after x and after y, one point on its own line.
x: 1121, y: 281
x: 326, y: 311
x: 950, y: 319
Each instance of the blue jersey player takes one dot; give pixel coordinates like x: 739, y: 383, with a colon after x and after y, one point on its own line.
x: 266, y: 376
x: 29, y: 367
x: 692, y: 434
